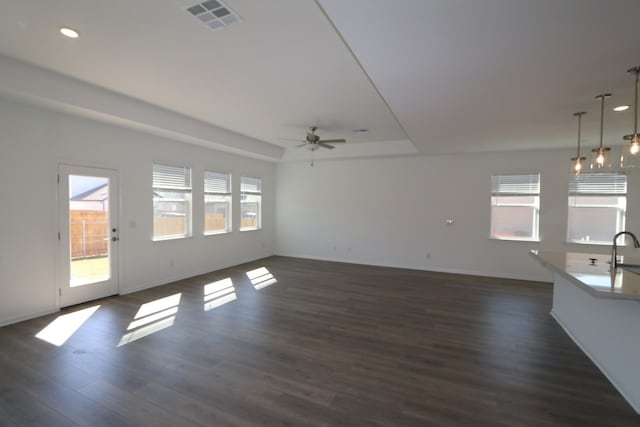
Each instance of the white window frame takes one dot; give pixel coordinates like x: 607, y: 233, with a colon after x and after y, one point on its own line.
x: 516, y: 185
x: 175, y: 179
x: 246, y: 189
x: 210, y: 189
x: 587, y: 185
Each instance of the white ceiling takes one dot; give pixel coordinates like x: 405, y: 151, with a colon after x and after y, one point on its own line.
x: 437, y: 76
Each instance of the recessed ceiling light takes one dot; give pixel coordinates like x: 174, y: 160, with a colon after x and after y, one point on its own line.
x: 71, y: 33
x: 621, y: 108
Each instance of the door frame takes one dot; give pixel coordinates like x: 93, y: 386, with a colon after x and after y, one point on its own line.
x: 60, y: 257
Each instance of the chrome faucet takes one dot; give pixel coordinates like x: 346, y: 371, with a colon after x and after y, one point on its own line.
x: 614, y: 249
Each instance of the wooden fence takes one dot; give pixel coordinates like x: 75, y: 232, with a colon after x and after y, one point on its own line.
x: 214, y: 222
x: 89, y: 230
x: 248, y: 223
x: 175, y: 226
x: 89, y: 233
x: 168, y: 226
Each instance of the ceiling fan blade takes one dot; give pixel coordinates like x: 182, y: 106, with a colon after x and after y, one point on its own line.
x: 302, y: 145
x: 322, y: 144
x: 333, y: 141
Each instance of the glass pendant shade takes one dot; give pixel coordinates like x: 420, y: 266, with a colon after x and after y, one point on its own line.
x: 631, y: 147
x: 578, y: 163
x: 600, y: 159
x: 601, y: 156
x: 634, y: 147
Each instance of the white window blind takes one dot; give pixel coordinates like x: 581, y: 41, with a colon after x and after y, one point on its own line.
x: 515, y: 205
x: 250, y: 185
x: 250, y: 203
x: 173, y: 177
x: 217, y: 202
x: 171, y: 202
x: 217, y: 182
x: 598, y: 184
x: 597, y: 207
x: 504, y: 185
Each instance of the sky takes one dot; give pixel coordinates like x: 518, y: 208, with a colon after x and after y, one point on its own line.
x: 79, y: 184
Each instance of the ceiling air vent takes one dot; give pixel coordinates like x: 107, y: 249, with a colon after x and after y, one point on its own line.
x: 214, y: 14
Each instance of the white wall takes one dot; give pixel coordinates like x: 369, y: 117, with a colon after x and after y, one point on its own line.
x: 392, y: 212
x: 33, y: 141
x: 384, y: 211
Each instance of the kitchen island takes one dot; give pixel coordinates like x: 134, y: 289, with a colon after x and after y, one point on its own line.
x: 600, y: 311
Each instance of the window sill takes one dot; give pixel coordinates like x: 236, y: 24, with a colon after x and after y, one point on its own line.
x: 593, y: 243
x: 164, y: 239
x: 250, y: 229
x: 216, y: 233
x: 507, y: 239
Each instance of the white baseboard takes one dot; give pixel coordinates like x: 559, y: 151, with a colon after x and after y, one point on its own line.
x: 167, y: 280
x: 186, y: 275
x: 423, y: 268
x: 139, y: 287
x: 23, y: 317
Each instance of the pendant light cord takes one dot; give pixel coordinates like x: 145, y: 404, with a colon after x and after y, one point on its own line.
x: 601, y: 120
x: 579, y: 128
x: 635, y: 119
x: 602, y: 98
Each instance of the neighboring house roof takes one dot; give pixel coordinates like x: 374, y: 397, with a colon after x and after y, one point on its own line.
x: 95, y: 194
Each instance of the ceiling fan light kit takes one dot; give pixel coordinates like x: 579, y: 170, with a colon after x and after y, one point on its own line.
x: 313, y: 142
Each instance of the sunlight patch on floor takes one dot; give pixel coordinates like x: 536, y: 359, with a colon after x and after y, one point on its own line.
x: 64, y: 326
x: 158, y: 305
x: 152, y: 317
x: 218, y: 293
x: 261, y: 278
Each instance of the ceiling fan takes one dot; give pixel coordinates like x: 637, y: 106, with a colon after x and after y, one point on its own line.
x: 313, y: 141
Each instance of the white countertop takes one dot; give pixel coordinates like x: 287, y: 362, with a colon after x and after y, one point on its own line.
x: 595, y: 278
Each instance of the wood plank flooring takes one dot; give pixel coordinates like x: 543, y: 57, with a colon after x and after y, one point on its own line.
x: 327, y: 344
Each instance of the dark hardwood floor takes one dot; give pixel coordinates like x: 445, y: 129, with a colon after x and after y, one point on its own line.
x: 327, y: 344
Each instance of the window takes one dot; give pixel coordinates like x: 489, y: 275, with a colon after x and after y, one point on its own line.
x: 217, y: 202
x: 250, y: 203
x: 171, y: 202
x: 515, y: 206
x: 597, y: 205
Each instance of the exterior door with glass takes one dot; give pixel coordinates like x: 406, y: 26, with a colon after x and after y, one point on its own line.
x: 88, y: 233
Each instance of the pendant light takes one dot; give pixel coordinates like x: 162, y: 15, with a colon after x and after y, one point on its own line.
x: 578, y: 162
x: 600, y: 157
x: 631, y: 152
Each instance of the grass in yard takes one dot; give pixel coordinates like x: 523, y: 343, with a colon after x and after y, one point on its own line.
x: 89, y: 270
